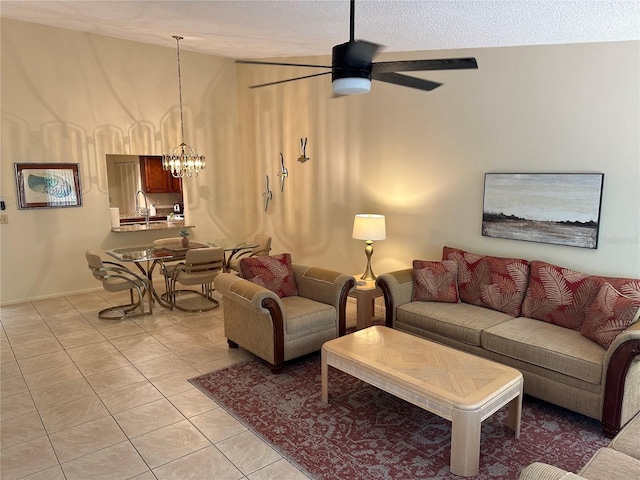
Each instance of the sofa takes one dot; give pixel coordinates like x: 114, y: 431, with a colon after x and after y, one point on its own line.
x: 620, y: 460
x: 574, y: 336
x: 279, y: 310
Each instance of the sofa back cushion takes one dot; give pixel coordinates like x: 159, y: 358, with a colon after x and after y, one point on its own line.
x: 559, y: 295
x: 491, y: 282
x: 609, y: 314
x: 435, y: 281
x: 274, y: 272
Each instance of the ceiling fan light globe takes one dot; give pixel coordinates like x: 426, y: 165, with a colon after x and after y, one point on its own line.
x: 351, y: 86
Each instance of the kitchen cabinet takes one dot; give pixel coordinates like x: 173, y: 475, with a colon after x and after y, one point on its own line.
x: 155, y: 179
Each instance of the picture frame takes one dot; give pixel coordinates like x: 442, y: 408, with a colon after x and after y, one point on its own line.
x: 48, y: 185
x: 556, y: 208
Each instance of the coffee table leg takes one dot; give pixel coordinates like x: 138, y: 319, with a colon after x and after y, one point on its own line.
x: 324, y: 371
x: 514, y: 410
x: 465, y: 443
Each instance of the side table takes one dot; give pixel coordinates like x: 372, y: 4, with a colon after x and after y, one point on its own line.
x: 365, y: 296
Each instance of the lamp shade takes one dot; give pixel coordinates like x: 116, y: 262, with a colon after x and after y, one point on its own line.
x: 369, y: 226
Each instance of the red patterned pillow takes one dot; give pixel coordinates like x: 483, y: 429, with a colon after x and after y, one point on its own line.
x: 273, y: 272
x: 610, y: 314
x: 435, y: 281
x: 559, y: 295
x: 491, y: 282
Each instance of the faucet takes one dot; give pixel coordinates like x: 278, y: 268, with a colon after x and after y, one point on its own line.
x: 146, y: 206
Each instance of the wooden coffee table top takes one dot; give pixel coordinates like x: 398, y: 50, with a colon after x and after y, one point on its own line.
x: 451, y: 377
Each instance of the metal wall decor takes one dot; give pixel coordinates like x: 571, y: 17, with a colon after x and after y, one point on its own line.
x: 48, y: 185
x: 267, y: 194
x: 283, y: 174
x: 557, y: 208
x: 303, y: 150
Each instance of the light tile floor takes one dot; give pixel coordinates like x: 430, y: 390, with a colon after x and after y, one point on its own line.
x: 87, y: 398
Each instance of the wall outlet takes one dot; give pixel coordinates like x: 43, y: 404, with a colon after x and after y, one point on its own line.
x: 4, y: 219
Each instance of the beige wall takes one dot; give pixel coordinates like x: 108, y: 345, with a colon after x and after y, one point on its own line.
x: 419, y: 158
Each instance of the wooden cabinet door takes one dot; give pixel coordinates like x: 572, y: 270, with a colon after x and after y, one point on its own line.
x: 155, y: 178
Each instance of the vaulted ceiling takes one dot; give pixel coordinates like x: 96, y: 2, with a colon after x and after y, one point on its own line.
x: 265, y: 29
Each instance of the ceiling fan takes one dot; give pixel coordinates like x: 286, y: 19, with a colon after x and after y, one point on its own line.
x: 352, y: 67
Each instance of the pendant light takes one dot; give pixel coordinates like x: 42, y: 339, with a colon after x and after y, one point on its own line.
x: 183, y: 161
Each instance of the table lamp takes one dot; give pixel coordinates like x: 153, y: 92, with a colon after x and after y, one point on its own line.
x: 369, y: 227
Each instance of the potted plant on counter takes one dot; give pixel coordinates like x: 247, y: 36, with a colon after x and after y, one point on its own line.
x: 184, y: 233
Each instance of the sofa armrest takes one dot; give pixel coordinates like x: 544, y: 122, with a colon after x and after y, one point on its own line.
x: 543, y: 471
x: 248, y: 294
x: 621, y: 360
x: 325, y: 286
x: 397, y: 289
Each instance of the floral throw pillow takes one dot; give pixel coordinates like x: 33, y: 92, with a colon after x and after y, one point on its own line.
x: 559, y: 295
x: 273, y: 272
x: 492, y: 282
x: 610, y: 314
x: 435, y: 281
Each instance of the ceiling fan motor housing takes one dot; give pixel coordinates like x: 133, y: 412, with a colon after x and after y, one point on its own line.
x: 348, y: 61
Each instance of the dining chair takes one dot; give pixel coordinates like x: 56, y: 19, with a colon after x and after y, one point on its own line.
x: 118, y: 278
x: 200, y: 267
x: 262, y: 249
x: 171, y: 242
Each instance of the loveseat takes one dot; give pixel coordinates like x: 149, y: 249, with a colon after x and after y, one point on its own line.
x: 574, y: 336
x: 620, y: 460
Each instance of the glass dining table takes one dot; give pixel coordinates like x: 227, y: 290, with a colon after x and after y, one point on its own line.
x: 147, y: 257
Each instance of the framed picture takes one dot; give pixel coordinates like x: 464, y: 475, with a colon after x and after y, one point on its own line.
x: 558, y: 208
x: 48, y: 185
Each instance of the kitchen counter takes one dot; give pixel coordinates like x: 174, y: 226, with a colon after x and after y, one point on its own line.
x: 153, y: 225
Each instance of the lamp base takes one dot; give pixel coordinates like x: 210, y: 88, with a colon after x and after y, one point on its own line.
x: 368, y: 275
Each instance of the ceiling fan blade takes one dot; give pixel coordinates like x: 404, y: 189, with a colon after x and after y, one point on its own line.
x: 289, y: 80
x: 256, y: 62
x: 405, y: 80
x: 421, y: 65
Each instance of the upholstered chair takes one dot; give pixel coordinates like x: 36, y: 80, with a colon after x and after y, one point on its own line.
x: 118, y: 278
x: 276, y: 328
x: 200, y: 267
x: 262, y: 248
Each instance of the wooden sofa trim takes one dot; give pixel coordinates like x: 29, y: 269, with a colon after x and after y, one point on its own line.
x: 614, y: 387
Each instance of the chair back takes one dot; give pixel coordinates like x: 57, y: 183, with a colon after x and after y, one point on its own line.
x: 264, y: 245
x: 168, y: 242
x: 96, y: 266
x: 204, y: 260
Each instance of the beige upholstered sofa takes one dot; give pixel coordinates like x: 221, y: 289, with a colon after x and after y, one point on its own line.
x: 620, y: 460
x: 280, y: 329
x: 533, y: 316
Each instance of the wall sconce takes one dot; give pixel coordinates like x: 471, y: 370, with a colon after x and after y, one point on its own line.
x: 369, y: 227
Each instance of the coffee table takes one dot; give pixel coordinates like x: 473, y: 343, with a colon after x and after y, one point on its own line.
x: 454, y: 385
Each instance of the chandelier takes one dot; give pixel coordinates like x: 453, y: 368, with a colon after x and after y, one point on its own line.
x: 182, y: 161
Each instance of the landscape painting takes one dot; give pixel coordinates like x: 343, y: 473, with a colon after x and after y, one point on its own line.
x: 557, y: 208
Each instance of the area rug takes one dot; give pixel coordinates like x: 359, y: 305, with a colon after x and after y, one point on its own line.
x: 365, y: 433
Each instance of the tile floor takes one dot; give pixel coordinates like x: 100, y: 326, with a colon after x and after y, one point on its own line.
x: 86, y: 398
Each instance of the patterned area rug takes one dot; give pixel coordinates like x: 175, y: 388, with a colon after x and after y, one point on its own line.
x: 365, y: 433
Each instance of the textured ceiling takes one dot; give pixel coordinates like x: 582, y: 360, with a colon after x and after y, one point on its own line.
x: 265, y: 29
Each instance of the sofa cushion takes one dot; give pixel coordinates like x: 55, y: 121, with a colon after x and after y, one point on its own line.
x: 547, y: 346
x: 274, y: 272
x: 457, y: 321
x: 609, y: 314
x: 608, y: 463
x: 305, y: 316
x: 559, y: 295
x: 492, y: 282
x: 435, y: 281
x: 628, y: 440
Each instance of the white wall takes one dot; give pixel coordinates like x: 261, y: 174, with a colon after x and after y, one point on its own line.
x: 419, y: 158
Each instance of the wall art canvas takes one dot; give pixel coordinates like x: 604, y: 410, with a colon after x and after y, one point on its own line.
x: 48, y: 185
x: 557, y: 208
